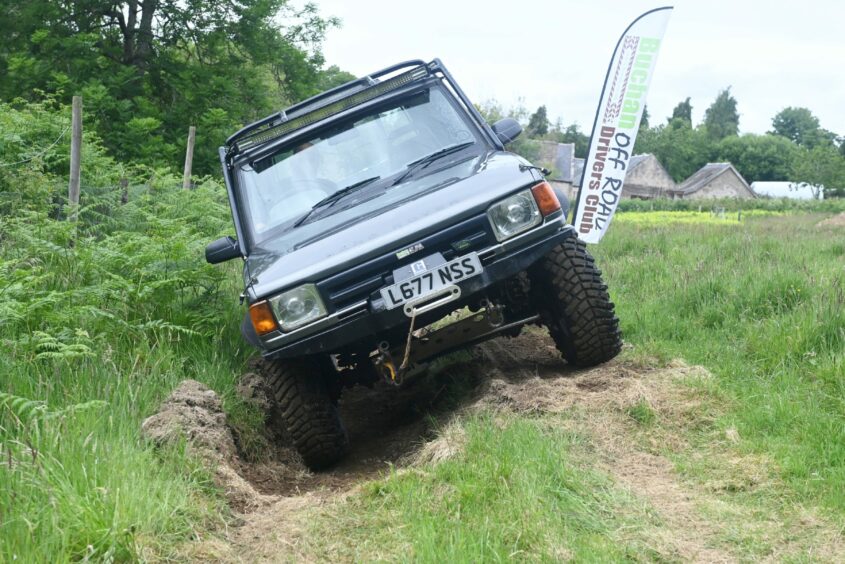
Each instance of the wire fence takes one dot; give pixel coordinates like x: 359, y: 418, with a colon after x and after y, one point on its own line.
x: 40, y: 153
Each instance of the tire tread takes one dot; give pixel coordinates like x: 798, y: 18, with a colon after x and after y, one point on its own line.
x: 581, y: 317
x: 310, y: 416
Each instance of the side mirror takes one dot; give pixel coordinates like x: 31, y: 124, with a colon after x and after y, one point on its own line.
x: 507, y: 130
x: 221, y: 250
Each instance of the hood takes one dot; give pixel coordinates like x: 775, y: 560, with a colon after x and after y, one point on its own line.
x: 468, y: 188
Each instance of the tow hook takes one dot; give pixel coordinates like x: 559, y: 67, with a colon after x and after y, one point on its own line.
x: 385, y: 365
x: 494, y: 313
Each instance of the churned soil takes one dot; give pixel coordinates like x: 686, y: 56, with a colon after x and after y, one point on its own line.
x: 273, y: 498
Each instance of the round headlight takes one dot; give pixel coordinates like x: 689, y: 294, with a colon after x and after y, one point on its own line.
x: 517, y: 213
x: 295, y: 306
x: 298, y: 307
x: 513, y: 215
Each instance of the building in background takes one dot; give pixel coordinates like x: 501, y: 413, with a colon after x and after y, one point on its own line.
x: 714, y: 180
x: 791, y: 190
x: 558, y: 158
x: 647, y: 179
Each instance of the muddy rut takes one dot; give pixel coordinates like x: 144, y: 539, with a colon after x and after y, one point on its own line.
x: 391, y: 427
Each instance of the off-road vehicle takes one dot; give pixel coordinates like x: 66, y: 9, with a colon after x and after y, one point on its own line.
x: 370, y: 212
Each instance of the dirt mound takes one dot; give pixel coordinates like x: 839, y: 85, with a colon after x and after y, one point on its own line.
x: 835, y: 221
x: 388, y: 426
x: 194, y: 413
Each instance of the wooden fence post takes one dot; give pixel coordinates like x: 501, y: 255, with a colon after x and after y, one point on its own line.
x: 75, y: 158
x: 189, y: 159
x: 124, y: 190
x: 149, y: 184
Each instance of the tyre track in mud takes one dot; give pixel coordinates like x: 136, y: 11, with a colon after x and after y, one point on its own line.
x: 389, y: 427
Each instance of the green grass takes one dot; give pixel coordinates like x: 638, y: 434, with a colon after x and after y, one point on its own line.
x: 833, y: 205
x: 516, y: 491
x: 131, y: 310
x: 642, y: 413
x: 118, y: 319
x: 761, y: 304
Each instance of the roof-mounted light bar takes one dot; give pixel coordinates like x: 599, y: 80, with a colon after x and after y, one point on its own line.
x: 284, y: 123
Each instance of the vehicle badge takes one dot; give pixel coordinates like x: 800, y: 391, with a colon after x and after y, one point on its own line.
x: 462, y: 244
x: 418, y: 267
x: 409, y: 251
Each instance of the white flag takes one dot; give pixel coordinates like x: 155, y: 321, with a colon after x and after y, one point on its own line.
x: 618, y: 118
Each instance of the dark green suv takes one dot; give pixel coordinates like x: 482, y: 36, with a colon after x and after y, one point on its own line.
x: 369, y: 212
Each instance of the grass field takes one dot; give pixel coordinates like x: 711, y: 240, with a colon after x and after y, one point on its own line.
x: 760, y: 303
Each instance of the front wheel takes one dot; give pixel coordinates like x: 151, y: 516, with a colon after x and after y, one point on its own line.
x: 301, y: 388
x: 574, y: 304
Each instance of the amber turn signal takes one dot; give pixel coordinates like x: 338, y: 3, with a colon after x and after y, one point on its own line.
x: 262, y: 317
x: 546, y: 199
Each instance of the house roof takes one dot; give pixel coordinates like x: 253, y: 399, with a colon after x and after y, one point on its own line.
x: 646, y: 186
x: 578, y: 169
x: 706, y: 174
x: 559, y: 156
x: 635, y: 161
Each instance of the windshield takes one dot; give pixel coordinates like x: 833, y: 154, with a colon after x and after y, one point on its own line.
x: 281, y: 188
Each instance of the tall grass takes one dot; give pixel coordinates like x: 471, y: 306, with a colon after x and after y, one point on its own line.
x: 94, y: 335
x: 760, y: 303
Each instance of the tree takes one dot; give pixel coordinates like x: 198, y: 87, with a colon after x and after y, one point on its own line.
x: 644, y: 120
x: 679, y: 147
x: 682, y: 111
x: 721, y: 118
x: 802, y: 127
x: 821, y: 166
x: 538, y: 123
x: 523, y: 145
x: 573, y: 134
x: 758, y: 157
x: 334, y: 76
x: 162, y: 65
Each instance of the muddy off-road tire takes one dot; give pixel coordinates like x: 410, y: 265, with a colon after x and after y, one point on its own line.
x: 574, y: 304
x: 312, y: 422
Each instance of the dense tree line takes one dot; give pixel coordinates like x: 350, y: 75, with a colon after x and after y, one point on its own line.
x: 797, y: 149
x: 147, y: 69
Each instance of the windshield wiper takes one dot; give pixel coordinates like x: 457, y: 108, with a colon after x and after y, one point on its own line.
x: 430, y: 158
x: 332, y: 198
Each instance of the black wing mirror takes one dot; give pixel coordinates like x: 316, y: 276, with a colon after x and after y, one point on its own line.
x: 507, y: 130
x: 221, y: 250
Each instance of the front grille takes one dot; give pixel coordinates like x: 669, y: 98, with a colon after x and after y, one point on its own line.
x: 360, y: 282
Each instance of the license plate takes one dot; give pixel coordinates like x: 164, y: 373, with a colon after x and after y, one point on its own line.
x: 431, y: 281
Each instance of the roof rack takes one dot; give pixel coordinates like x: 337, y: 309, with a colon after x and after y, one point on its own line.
x: 305, y: 112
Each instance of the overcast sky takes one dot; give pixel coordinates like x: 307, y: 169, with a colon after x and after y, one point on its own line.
x: 772, y: 54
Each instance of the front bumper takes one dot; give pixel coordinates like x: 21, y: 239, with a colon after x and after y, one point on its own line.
x: 370, y: 317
